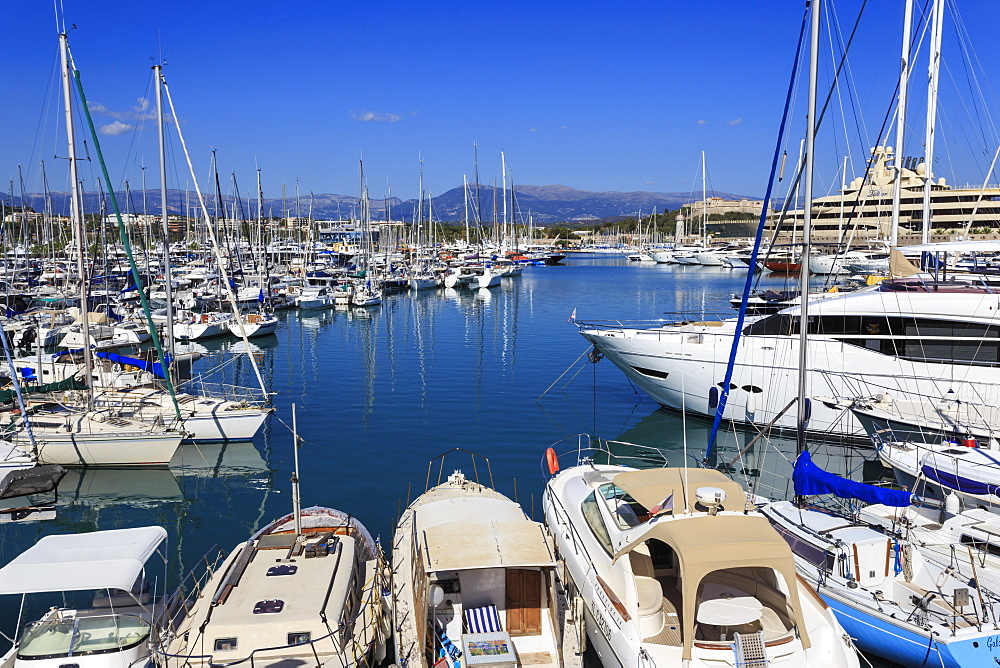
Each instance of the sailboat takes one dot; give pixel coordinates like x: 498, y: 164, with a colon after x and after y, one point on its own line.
x: 306, y: 589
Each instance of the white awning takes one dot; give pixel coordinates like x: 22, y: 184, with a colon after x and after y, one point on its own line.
x: 97, y: 560
x: 955, y: 247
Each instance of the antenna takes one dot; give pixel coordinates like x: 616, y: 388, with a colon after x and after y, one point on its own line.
x: 296, y: 498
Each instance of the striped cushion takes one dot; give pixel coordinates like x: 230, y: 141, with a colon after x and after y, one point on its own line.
x: 483, y: 620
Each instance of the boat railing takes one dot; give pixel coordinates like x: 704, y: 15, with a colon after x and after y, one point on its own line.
x: 341, y: 637
x: 674, y: 319
x: 589, y: 449
x: 177, y: 606
x: 971, y: 392
x: 477, y: 462
x: 199, y: 386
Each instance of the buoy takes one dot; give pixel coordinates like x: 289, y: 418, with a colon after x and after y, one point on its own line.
x: 553, y: 460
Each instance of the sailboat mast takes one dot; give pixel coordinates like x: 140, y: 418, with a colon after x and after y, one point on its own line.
x: 803, y: 411
x: 167, y: 277
x: 503, y: 170
x: 934, y: 71
x: 76, y: 215
x: 704, y: 202
x: 904, y: 78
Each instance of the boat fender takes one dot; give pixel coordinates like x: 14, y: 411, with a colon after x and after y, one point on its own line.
x: 970, y: 442
x: 116, y: 368
x: 713, y: 397
x: 553, y: 461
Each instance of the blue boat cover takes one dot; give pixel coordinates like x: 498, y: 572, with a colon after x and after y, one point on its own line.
x: 959, y: 483
x: 155, y: 367
x: 810, y: 480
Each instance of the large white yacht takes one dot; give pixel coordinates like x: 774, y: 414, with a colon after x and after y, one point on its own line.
x: 674, y: 568
x: 907, y: 337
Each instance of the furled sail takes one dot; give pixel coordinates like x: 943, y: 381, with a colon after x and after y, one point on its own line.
x: 810, y: 480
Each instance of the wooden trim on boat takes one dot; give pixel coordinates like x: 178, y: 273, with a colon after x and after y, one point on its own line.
x: 815, y: 595
x: 615, y: 601
x: 789, y: 637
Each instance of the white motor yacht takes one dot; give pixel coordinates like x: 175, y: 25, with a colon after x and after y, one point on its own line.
x: 674, y: 568
x: 907, y: 337
x: 114, y: 630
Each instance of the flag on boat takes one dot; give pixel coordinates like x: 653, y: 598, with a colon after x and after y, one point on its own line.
x: 572, y: 316
x: 666, y: 504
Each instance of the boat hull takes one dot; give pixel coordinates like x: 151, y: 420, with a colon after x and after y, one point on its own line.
x: 100, y: 450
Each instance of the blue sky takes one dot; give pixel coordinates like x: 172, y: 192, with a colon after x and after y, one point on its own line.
x: 598, y: 96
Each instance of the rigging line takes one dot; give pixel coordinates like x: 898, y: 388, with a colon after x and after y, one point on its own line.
x: 223, y: 273
x: 756, y: 249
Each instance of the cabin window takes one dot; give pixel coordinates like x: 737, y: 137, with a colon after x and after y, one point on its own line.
x: 592, y: 514
x: 980, y: 544
x: 626, y: 510
x: 300, y: 638
x: 268, y: 607
x: 225, y: 644
x: 652, y: 373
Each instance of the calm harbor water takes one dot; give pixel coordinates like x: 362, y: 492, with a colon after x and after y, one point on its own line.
x: 380, y: 392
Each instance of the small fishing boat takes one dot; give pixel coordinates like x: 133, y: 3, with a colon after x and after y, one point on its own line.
x: 306, y: 590
x: 475, y: 577
x: 114, y: 630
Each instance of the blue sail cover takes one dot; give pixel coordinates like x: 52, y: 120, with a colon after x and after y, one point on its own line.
x: 154, y: 368
x: 959, y: 483
x: 811, y: 480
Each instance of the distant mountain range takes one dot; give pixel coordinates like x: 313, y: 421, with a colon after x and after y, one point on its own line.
x: 546, y: 205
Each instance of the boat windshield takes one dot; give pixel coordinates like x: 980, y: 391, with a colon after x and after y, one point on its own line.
x: 77, y: 636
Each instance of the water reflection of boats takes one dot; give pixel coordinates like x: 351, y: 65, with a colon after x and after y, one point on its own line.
x: 106, y: 486
x: 765, y: 465
x: 218, y: 459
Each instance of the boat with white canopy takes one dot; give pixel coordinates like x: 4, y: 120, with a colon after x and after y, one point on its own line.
x: 114, y: 630
x: 476, y: 581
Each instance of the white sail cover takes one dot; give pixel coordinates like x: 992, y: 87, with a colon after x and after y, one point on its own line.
x: 97, y: 560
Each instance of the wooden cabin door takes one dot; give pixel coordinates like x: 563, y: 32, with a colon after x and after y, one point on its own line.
x: 524, y: 602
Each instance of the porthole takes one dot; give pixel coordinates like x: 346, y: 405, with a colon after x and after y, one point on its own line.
x: 225, y: 644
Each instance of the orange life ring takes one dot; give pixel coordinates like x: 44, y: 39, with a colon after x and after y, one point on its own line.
x: 553, y: 461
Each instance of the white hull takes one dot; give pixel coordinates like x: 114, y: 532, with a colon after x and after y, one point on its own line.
x: 265, y: 327
x: 186, y: 331
x: 680, y: 366
x: 106, y: 449
x: 423, y: 283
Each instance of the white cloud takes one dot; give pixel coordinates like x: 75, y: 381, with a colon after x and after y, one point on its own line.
x: 116, y: 128
x: 375, y: 117
x: 735, y: 121
x: 702, y: 122
x: 650, y: 183
x: 565, y: 127
x: 532, y: 129
x: 138, y: 112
